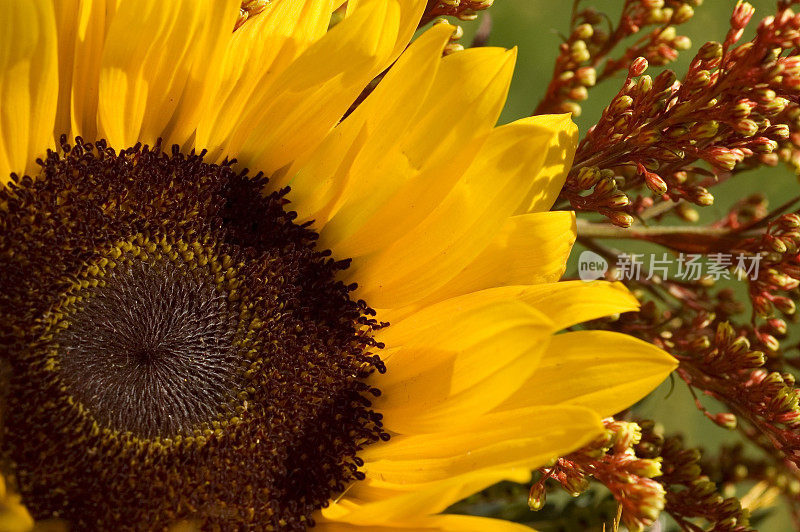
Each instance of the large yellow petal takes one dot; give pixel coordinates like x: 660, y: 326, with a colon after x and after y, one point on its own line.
x: 444, y: 523
x: 416, y: 503
x: 454, y: 362
x: 314, y: 92
x: 571, y: 302
x: 14, y: 517
x: 393, y: 189
x: 256, y: 55
x: 602, y: 370
x: 559, y: 153
x: 205, y: 62
x: 66, y: 12
x: 319, y: 184
x: 28, y: 84
x: 92, y: 21
x: 528, y: 249
x: 154, y: 53
x: 461, y: 226
x: 565, y: 303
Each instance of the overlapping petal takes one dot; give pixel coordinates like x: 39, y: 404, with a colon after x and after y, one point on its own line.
x: 28, y: 84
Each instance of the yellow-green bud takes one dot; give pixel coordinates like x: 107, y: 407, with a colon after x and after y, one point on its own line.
x: 583, y: 32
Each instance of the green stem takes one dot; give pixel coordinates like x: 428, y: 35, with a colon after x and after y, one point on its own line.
x: 604, y: 230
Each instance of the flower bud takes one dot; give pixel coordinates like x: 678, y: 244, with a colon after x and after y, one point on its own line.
x: 790, y: 221
x: 742, y: 14
x: 778, y: 131
x: 682, y: 14
x: 644, y: 85
x: 705, y: 130
x: 605, y: 186
x: 743, y: 108
x: 587, y: 177
x: 725, y: 334
x: 777, y: 325
x: 676, y: 132
x: 649, y: 137
x: 620, y: 219
x: 703, y: 197
x: 645, y: 468
x: 774, y: 106
x: 710, y: 50
x: 746, y: 127
x: 578, y: 52
x: 637, y: 68
x: 537, y: 496
x: 583, y: 32
x: 763, y: 145
x: 655, y: 183
x: 753, y: 359
x: 617, y: 200
x: 587, y: 76
x: 785, y: 305
x: 578, y: 93
x: 621, y: 103
x: 721, y: 157
x: 687, y: 213
x: 681, y: 42
x: 770, y: 342
x: 701, y: 78
x: 762, y: 306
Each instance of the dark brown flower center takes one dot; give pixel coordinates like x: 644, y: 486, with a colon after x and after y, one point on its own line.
x: 176, y: 347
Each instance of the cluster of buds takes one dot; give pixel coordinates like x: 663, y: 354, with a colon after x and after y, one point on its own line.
x: 725, y: 367
x: 733, y: 465
x: 587, y: 49
x: 717, y: 360
x: 732, y: 110
x: 774, y: 290
x: 690, y: 492
x: 612, y: 461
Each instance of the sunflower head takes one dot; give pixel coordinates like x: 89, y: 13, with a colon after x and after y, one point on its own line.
x: 182, y: 326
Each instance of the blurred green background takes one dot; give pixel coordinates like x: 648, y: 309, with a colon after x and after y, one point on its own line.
x: 535, y: 28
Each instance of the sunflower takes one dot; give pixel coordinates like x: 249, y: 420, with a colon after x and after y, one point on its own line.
x: 227, y: 306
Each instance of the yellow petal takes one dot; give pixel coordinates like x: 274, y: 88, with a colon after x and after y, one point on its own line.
x: 572, y: 302
x: 92, y: 21
x: 393, y: 189
x: 66, y: 13
x: 525, y: 438
x: 455, y: 361
x: 202, y: 78
x: 460, y: 227
x: 14, y: 517
x: 602, y: 370
x: 420, y: 501
x: 318, y: 185
x: 28, y: 84
x: 151, y: 55
x: 315, y: 91
x: 444, y: 523
x: 558, y: 160
x: 257, y: 53
x: 528, y: 249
